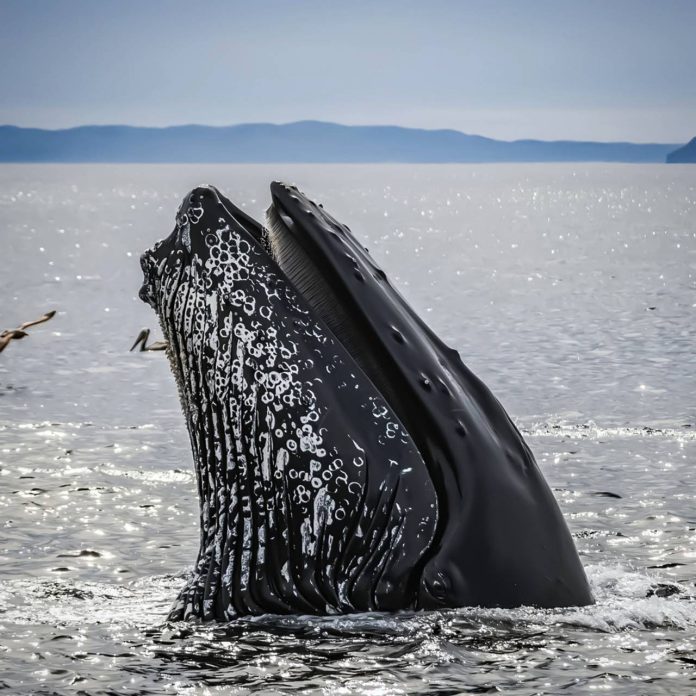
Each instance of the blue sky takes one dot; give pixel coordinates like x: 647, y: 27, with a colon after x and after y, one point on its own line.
x: 585, y: 69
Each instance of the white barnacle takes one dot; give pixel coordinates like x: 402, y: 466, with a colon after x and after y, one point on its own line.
x: 308, y: 538
x: 324, y: 506
x: 186, y: 236
x: 266, y: 456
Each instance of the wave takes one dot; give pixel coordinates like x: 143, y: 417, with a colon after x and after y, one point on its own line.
x: 590, y: 430
x: 626, y: 599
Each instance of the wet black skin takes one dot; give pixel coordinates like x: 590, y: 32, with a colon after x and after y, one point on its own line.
x: 477, y: 523
x: 263, y: 550
x: 501, y: 540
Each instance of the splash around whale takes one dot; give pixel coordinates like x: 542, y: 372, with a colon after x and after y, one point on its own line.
x: 346, y: 459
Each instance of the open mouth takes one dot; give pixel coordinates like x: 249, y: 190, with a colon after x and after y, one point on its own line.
x: 334, y: 274
x: 353, y: 297
x: 375, y: 470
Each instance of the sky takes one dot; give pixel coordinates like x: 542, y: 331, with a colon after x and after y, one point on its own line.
x: 548, y: 69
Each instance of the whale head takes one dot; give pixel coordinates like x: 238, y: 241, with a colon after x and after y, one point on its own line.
x: 346, y: 458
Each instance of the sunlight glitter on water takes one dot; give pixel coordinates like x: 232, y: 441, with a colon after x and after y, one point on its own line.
x: 98, y: 502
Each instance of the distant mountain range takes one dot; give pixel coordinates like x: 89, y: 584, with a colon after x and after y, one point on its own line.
x: 304, y: 141
x: 683, y: 155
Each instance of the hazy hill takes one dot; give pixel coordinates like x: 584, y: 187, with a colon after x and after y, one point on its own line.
x: 304, y: 141
x: 683, y: 154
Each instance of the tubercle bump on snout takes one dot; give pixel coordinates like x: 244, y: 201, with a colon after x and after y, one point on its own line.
x: 147, y: 289
x: 203, y: 212
x: 190, y: 210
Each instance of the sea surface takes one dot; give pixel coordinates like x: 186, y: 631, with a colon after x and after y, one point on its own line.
x: 570, y: 289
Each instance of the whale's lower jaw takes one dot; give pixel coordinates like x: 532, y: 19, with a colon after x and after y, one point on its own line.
x: 346, y: 460
x: 313, y: 497
x: 286, y: 534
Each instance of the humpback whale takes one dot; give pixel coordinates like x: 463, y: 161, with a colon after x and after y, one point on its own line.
x: 346, y: 459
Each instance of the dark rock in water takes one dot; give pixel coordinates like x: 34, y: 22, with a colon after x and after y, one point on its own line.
x: 684, y: 155
x: 663, y: 589
x: 80, y: 554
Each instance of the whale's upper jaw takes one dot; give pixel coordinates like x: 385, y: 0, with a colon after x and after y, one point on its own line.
x: 353, y: 295
x: 496, y: 510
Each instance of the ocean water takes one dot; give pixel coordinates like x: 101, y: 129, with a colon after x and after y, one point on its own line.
x: 570, y: 289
